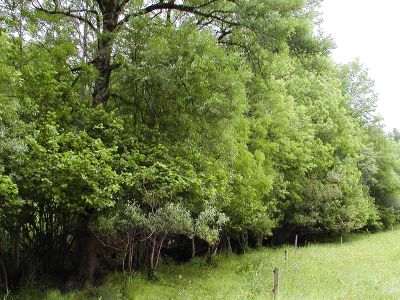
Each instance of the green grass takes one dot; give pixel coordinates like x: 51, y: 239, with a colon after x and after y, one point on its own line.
x: 366, y: 266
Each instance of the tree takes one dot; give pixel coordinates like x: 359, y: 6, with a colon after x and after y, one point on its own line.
x: 395, y: 134
x: 358, y: 89
x: 106, y: 17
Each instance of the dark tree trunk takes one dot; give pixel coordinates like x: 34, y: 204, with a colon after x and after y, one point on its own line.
x: 85, y: 251
x: 100, y: 92
x: 111, y: 11
x: 229, y: 245
x: 193, y: 248
x: 15, y: 259
x: 243, y: 242
x: 259, y: 241
x: 3, y: 276
x: 225, y: 245
x: 152, y: 257
x: 86, y: 244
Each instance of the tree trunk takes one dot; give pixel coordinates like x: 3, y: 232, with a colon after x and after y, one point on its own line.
x: 151, y: 275
x: 15, y: 261
x: 3, y: 276
x: 193, y: 248
x: 86, y: 244
x: 100, y: 93
x: 229, y: 247
x: 244, y: 241
x: 86, y: 251
x: 259, y: 241
x: 85, y: 58
x: 225, y: 245
x: 208, y: 256
x: 110, y: 11
x: 159, y: 249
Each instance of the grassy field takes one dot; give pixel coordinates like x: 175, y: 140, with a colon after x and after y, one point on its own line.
x: 366, y: 266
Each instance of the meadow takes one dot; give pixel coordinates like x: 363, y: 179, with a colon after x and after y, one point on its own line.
x: 365, y: 266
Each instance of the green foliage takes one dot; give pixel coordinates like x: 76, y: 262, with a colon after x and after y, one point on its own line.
x: 10, y: 204
x: 389, y: 217
x: 170, y: 219
x: 359, y: 91
x: 70, y: 170
x: 209, y: 224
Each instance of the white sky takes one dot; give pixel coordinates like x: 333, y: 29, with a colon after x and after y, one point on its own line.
x: 370, y: 30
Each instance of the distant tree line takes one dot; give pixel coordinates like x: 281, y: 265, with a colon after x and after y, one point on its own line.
x: 129, y: 130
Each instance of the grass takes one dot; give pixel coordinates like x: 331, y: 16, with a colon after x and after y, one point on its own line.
x: 366, y: 266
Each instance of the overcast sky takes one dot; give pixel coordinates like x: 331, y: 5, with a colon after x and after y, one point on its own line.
x: 370, y: 30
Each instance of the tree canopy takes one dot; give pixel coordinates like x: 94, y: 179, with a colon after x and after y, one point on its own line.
x: 130, y: 128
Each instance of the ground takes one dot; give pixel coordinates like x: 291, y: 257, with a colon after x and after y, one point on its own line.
x: 366, y: 266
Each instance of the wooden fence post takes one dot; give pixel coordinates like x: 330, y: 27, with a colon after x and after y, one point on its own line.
x: 341, y: 240
x: 276, y: 283
x: 295, y: 241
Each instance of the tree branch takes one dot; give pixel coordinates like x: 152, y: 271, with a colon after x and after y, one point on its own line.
x: 122, y: 4
x: 185, y: 8
x: 224, y: 33
x: 69, y: 13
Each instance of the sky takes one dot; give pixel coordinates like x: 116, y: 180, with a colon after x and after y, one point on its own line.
x: 369, y: 30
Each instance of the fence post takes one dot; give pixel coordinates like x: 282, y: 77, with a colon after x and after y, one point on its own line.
x: 295, y: 241
x: 276, y: 283
x: 286, y: 255
x: 341, y: 240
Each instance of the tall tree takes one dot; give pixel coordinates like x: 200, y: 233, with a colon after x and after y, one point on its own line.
x: 106, y: 18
